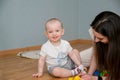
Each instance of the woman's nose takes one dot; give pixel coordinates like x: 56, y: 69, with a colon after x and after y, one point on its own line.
x: 96, y: 40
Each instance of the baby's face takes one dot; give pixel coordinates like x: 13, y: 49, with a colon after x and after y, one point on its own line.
x: 54, y: 31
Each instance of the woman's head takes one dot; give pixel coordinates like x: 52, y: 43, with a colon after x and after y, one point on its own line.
x: 106, y: 24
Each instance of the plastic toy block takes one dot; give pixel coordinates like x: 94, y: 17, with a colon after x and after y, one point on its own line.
x: 74, y: 78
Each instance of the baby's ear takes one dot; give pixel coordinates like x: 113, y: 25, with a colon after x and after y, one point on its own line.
x: 63, y: 32
x: 46, y: 34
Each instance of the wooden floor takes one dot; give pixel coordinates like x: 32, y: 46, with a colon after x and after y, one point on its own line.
x: 13, y: 67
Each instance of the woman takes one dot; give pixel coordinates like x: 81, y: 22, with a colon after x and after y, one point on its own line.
x: 106, y: 31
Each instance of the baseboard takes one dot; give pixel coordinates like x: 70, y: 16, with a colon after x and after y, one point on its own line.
x: 15, y: 51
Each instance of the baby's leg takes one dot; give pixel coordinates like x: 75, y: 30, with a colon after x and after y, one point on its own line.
x: 81, y: 58
x: 75, y: 56
x: 61, y: 72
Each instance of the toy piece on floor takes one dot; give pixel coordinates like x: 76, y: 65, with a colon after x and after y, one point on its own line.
x: 83, y: 70
x: 74, y: 78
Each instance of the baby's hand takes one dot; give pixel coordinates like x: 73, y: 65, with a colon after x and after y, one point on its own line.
x: 37, y: 75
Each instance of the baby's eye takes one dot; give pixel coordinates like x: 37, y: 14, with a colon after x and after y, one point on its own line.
x: 57, y: 30
x: 50, y: 32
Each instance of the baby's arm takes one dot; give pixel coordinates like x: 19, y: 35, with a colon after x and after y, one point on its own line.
x: 41, y: 63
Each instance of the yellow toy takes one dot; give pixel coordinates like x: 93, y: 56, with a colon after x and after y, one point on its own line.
x: 74, y: 78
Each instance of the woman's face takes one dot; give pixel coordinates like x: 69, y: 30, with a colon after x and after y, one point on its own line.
x: 99, y: 37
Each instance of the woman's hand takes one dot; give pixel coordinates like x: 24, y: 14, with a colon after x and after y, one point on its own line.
x: 87, y: 77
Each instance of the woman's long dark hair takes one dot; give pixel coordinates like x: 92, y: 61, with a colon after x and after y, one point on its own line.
x: 108, y: 55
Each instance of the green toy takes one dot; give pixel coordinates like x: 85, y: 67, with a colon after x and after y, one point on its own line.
x: 103, y: 73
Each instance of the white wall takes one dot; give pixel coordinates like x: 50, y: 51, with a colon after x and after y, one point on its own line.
x: 88, y: 9
x: 22, y: 21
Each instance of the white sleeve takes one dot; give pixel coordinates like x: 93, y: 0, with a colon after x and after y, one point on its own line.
x: 69, y: 47
x: 43, y: 51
